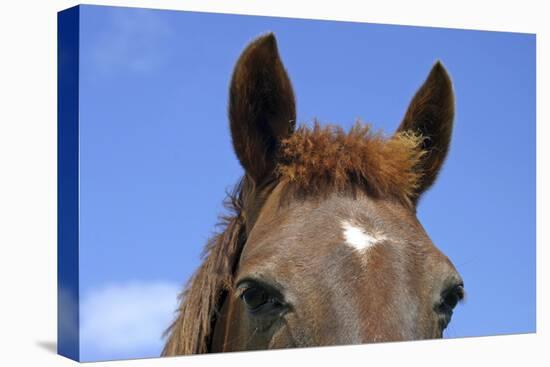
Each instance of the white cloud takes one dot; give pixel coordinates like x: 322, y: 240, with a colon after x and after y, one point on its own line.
x: 126, y: 320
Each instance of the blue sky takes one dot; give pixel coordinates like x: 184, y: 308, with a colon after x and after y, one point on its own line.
x: 156, y: 157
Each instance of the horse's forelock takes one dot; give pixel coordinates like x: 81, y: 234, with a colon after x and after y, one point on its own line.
x: 327, y: 159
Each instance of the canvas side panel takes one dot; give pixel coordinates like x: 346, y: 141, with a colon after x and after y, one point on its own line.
x: 67, y: 183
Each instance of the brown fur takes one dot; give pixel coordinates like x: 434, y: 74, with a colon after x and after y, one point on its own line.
x: 329, y: 159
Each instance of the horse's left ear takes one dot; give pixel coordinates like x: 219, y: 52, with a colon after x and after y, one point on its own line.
x: 431, y: 114
x: 262, y: 109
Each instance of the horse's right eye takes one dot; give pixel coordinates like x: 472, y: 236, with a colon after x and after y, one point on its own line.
x: 451, y: 297
x: 255, y: 298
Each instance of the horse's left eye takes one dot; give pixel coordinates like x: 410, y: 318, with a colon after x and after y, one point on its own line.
x: 254, y: 298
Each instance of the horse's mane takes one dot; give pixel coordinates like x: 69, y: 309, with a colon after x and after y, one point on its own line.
x: 191, y: 330
x: 312, y: 161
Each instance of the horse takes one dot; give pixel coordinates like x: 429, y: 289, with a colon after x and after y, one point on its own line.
x: 322, y: 245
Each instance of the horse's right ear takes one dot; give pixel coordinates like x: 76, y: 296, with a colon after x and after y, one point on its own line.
x: 262, y: 109
x: 431, y: 114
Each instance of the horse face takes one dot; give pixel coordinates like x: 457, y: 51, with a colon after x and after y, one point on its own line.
x: 339, y: 268
x: 342, y: 270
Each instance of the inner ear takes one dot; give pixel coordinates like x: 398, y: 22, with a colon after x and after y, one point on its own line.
x: 262, y: 108
x: 431, y: 114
